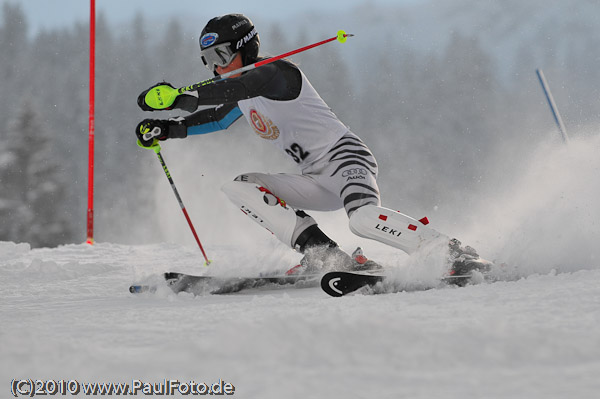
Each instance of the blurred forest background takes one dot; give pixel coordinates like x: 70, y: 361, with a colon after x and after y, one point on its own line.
x: 444, y: 93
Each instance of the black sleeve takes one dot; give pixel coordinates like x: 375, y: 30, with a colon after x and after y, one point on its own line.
x: 280, y: 80
x: 207, y: 121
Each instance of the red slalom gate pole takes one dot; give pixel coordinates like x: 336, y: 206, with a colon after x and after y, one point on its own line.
x: 90, y: 210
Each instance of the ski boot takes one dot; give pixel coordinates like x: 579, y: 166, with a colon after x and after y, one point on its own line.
x: 322, y: 254
x: 322, y: 259
x: 362, y: 263
x: 464, y: 261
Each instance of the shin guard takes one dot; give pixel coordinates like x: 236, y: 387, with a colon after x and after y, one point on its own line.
x: 268, y: 210
x: 392, y: 228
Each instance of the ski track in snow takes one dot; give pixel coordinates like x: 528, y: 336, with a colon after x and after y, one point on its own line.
x: 66, y: 313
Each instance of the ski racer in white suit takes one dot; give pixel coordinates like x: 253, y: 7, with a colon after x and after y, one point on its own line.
x: 336, y: 168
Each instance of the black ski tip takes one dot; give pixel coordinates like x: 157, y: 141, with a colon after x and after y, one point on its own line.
x: 339, y: 284
x: 330, y: 283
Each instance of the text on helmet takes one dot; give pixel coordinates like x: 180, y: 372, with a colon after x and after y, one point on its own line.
x: 246, y: 39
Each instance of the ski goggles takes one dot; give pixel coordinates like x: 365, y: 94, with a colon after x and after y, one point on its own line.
x: 218, y: 55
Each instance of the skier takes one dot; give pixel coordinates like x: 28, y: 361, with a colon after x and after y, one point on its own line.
x: 337, y: 168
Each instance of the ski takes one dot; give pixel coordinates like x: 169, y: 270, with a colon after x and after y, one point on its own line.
x: 203, y: 285
x: 339, y: 283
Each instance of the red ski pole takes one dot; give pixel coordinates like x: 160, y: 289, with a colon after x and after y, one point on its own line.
x: 156, y: 149
x: 163, y: 96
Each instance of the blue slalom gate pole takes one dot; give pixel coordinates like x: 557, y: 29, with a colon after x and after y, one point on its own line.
x: 552, y: 104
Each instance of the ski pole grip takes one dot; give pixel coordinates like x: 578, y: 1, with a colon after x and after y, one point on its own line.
x: 160, y: 97
x: 155, y: 146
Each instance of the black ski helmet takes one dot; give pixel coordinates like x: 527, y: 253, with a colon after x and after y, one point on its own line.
x: 235, y: 29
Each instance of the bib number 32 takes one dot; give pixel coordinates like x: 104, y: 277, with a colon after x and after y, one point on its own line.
x: 297, y: 153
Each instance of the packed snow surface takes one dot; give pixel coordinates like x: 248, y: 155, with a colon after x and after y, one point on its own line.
x: 67, y: 314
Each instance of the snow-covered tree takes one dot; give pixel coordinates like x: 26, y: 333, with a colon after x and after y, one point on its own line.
x: 33, y: 185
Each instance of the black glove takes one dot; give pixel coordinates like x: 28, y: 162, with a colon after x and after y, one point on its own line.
x: 184, y: 101
x: 142, y: 98
x: 149, y: 130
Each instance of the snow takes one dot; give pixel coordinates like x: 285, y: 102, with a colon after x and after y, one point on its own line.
x: 66, y: 313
